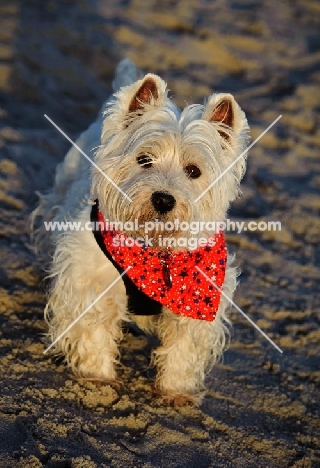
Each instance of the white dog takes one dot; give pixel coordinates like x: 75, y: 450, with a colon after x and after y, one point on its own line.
x: 152, y: 167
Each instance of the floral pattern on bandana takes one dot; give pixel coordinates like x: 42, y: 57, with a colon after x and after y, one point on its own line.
x: 191, y: 294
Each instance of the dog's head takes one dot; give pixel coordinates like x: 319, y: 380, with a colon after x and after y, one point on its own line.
x: 172, y: 164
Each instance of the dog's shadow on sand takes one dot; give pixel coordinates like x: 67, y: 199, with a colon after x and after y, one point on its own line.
x: 137, y: 342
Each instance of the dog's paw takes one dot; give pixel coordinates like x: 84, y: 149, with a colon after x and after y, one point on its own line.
x: 176, y: 400
x: 113, y: 383
x: 180, y: 400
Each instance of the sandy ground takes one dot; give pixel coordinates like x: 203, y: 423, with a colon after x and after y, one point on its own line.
x: 262, y: 408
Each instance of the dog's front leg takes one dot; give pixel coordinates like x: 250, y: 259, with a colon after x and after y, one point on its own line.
x: 81, y: 273
x: 90, y: 346
x: 188, y: 349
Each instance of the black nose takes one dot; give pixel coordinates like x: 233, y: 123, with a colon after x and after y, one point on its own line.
x: 163, y: 202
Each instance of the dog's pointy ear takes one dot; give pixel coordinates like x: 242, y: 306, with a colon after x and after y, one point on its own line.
x: 146, y: 94
x: 131, y: 102
x: 151, y: 90
x: 223, y: 111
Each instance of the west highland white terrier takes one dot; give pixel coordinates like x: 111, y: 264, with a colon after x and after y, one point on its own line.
x: 154, y: 167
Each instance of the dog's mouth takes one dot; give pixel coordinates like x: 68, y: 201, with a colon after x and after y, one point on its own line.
x: 159, y: 216
x: 156, y: 228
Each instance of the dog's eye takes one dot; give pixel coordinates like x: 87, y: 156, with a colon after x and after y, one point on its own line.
x: 192, y: 171
x: 144, y: 160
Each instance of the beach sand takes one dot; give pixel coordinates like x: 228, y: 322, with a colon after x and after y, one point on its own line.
x: 262, y: 407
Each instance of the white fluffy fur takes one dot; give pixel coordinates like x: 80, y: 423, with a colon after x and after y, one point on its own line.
x: 80, y: 271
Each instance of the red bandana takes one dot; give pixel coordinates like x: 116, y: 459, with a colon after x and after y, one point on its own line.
x: 190, y: 294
